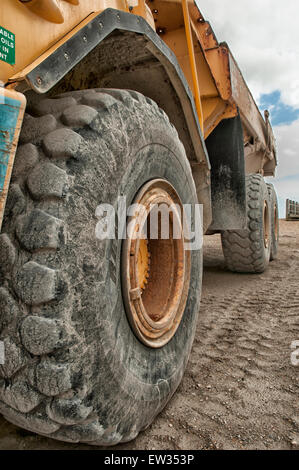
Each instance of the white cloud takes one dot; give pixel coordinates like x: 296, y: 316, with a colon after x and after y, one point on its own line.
x: 288, y: 188
x: 287, y: 139
x: 264, y: 38
x: 287, y: 179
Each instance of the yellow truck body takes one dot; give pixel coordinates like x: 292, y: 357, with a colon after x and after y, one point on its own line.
x: 102, y: 100
x: 43, y: 26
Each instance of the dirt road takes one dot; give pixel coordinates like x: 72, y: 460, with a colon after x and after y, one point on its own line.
x: 240, y: 390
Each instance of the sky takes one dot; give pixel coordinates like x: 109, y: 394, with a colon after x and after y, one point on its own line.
x: 263, y: 36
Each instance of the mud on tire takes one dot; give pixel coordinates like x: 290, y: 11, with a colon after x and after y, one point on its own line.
x: 248, y: 251
x: 74, y: 370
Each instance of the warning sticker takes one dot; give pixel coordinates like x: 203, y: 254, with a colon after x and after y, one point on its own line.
x: 7, y: 46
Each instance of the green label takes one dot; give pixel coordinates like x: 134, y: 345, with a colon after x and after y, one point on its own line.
x: 7, y: 46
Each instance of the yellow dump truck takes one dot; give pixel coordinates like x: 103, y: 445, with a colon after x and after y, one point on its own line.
x: 104, y: 105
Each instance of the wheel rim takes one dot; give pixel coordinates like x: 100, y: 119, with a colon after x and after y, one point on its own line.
x: 276, y: 222
x: 266, y: 225
x: 155, y: 272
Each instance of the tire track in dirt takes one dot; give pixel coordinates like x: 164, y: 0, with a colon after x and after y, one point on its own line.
x: 240, y: 390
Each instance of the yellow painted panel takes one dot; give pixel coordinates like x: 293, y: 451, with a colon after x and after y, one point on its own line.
x: 176, y: 41
x: 34, y: 34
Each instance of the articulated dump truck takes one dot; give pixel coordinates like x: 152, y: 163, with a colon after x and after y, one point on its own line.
x: 106, y: 103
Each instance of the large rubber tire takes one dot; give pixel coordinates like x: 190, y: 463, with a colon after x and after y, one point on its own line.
x: 274, y: 222
x: 244, y: 250
x: 74, y: 370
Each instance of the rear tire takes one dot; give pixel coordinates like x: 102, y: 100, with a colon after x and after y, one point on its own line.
x: 248, y: 251
x: 74, y: 369
x: 274, y: 222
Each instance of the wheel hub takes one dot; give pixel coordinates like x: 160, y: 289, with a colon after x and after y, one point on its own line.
x: 143, y: 263
x: 155, y: 270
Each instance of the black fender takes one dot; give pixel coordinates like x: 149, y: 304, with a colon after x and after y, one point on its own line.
x: 120, y: 50
x: 226, y: 152
x: 116, y: 49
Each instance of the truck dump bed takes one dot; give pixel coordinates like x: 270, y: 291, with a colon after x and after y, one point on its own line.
x: 215, y: 80
x: 223, y: 91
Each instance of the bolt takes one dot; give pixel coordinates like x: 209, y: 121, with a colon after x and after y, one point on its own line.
x: 39, y: 81
x: 84, y: 38
x: 101, y: 25
x: 66, y: 56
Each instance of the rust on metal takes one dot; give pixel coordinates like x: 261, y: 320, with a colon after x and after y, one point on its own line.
x: 155, y: 291
x: 143, y: 261
x: 260, y: 152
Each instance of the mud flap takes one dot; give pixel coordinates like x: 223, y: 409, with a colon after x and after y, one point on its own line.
x: 12, y: 108
x: 226, y: 152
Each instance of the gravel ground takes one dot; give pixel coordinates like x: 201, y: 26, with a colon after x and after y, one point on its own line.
x: 239, y: 390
